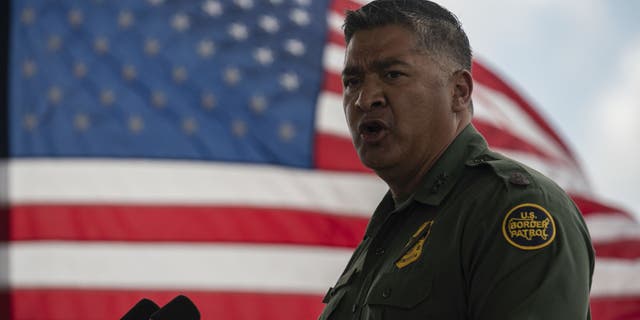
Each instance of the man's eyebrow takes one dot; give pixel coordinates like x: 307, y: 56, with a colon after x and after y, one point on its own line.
x: 386, y: 63
x: 349, y: 71
x: 376, y: 65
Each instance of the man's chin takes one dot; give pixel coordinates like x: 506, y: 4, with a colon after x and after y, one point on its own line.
x: 376, y: 156
x: 375, y: 163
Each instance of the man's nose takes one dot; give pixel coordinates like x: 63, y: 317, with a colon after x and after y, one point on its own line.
x: 370, y: 96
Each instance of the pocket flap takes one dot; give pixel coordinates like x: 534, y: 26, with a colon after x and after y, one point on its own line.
x: 342, y: 281
x: 401, y: 288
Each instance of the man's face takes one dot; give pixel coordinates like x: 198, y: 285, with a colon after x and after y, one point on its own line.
x: 397, y: 100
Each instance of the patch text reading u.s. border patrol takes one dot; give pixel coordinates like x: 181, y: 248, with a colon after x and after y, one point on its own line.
x: 529, y: 226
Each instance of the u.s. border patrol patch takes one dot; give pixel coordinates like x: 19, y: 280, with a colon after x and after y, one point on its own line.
x: 529, y: 226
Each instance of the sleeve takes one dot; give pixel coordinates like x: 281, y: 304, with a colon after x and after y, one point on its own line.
x: 531, y: 258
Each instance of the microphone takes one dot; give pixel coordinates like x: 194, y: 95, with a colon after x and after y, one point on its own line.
x: 180, y: 308
x: 141, y: 311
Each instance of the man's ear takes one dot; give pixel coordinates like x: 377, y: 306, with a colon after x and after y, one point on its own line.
x: 462, y: 89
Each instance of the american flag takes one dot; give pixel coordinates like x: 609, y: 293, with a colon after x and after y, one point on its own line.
x: 164, y: 147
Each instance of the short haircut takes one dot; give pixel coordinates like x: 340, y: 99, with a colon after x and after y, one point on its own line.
x: 438, y: 28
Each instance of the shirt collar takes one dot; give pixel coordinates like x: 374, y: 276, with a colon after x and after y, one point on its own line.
x: 447, y: 170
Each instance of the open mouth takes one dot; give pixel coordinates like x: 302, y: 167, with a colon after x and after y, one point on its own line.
x: 372, y: 130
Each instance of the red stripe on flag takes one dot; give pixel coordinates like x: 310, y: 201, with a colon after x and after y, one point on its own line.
x: 209, y: 224
x: 615, y: 308
x: 4, y: 222
x: 332, y: 83
x: 341, y: 6
x: 336, y: 38
x: 103, y: 222
x: 77, y: 304
x: 589, y: 206
x: 621, y: 249
x: 336, y: 153
x: 491, y: 80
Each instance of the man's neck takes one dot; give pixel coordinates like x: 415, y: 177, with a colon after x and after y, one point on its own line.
x: 403, y: 182
x: 398, y: 202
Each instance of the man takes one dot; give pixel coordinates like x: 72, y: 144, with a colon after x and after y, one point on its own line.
x: 464, y: 232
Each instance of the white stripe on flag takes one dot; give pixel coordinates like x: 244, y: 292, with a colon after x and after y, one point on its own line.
x: 335, y: 21
x: 607, y: 228
x: 330, y: 115
x: 169, y: 182
x: 257, y: 268
x: 614, y: 277
x: 494, y: 107
x: 333, y: 58
x: 187, y: 182
x: 232, y: 267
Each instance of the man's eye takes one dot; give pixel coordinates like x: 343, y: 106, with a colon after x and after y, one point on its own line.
x: 350, y: 82
x: 393, y: 74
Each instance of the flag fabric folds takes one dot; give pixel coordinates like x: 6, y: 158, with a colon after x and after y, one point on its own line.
x: 165, y: 147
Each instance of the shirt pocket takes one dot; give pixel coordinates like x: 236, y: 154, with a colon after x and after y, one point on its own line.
x: 401, y: 294
x: 336, y: 293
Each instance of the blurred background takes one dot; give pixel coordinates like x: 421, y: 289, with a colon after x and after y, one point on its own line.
x: 154, y: 147
x: 578, y: 63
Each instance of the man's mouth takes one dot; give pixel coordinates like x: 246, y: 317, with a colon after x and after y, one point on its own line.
x: 372, y: 131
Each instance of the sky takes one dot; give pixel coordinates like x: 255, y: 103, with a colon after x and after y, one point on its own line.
x: 578, y: 63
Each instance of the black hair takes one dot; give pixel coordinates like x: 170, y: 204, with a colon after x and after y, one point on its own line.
x: 438, y: 29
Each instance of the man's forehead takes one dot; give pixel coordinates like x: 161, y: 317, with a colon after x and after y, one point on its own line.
x: 375, y: 63
x: 381, y: 42
x: 360, y: 60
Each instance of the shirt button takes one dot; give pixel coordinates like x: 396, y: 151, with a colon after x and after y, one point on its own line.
x: 379, y: 251
x: 386, y: 293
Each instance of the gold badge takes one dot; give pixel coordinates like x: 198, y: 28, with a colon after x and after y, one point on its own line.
x: 529, y: 226
x: 417, y: 240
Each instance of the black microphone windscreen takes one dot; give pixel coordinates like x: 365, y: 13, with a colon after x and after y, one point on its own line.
x: 141, y: 311
x: 180, y: 308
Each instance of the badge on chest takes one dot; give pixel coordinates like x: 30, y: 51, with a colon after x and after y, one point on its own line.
x: 415, y: 245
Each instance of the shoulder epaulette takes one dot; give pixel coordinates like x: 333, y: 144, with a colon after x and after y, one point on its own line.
x: 509, y: 170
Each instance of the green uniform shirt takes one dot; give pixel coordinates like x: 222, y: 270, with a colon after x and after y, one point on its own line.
x: 483, y: 238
